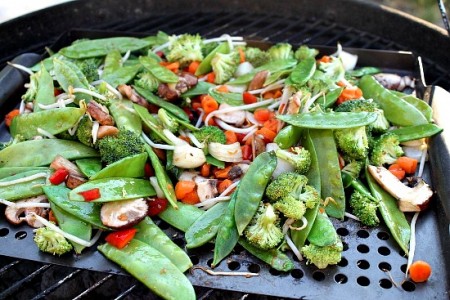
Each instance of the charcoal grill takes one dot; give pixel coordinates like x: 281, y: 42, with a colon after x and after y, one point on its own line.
x: 368, y: 252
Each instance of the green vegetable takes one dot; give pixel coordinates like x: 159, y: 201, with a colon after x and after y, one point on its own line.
x: 210, y: 134
x: 304, y: 52
x: 148, y: 81
x: 181, y: 218
x: 151, y: 122
x: 89, y: 67
x: 303, y: 71
x: 288, y: 136
x: 280, y: 51
x: 31, y: 187
x: 329, y: 120
x: 124, y: 117
x: 161, y: 73
x: 84, y: 131
x: 322, y: 232
x: 89, y: 166
x: 224, y: 66
x: 205, y: 65
x: 45, y: 93
x: 364, y: 208
x: 300, y: 158
x: 321, y: 257
x: 168, y: 121
x: 70, y: 76
x: 386, y: 149
x: 411, y: 133
x: 51, y: 241
x: 185, y: 49
x: 256, y: 56
x: 353, y: 142
x: 130, y: 166
x: 10, y: 171
x: 114, y: 148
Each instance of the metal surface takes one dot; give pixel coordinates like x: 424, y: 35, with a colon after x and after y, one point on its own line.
x: 368, y: 251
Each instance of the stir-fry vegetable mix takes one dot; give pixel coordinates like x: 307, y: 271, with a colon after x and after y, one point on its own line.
x: 224, y: 141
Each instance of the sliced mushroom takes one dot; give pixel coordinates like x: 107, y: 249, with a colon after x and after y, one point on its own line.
x: 234, y: 117
x: 411, y: 199
x: 207, y: 189
x: 129, y: 93
x: 227, y: 153
x: 107, y: 131
x: 73, y: 181
x: 168, y: 92
x: 258, y: 81
x: 100, y: 113
x: 60, y: 162
x: 123, y: 214
x: 394, y: 81
x: 185, y: 82
x: 16, y: 215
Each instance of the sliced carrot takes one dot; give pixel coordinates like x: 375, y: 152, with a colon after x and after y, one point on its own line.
x: 349, y: 93
x: 397, y: 171
x: 10, y: 116
x: 184, y: 187
x: 174, y: 66
x: 267, y: 134
x: 211, y: 77
x: 249, y: 98
x: 325, y: 59
x: 408, y: 164
x: 209, y: 104
x: 277, y: 94
x: 262, y: 114
x: 185, y: 138
x: 268, y: 95
x: 419, y: 271
x: 231, y: 137
x: 193, y: 66
x: 222, y: 89
x: 246, y: 152
x: 271, y: 124
x: 191, y: 198
x: 205, y: 170
x: 222, y: 173
x: 241, y: 55
x: 224, y: 185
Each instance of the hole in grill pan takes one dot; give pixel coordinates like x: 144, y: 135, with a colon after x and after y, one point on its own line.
x: 20, y: 235
x: 363, y: 281
x: 384, y: 266
x: 385, y: 283
x: 297, y: 273
x: 340, y: 278
x: 363, y: 248
x: 4, y: 232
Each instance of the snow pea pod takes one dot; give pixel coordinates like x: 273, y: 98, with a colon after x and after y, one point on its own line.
x: 164, y: 181
x: 46, y: 91
x: 330, y: 172
x: 288, y: 136
x: 233, y: 99
x: 131, y: 166
x: 393, y: 217
x: 330, y: 120
x: 152, y: 268
x: 206, y: 226
x: 421, y: 105
x: 397, y: 110
x: 273, y: 257
x: 72, y: 225
x: 36, y: 153
x: 303, y: 71
x: 10, y: 171
x: 122, y: 75
x: 115, y: 189
x: 322, y: 232
x: 411, y: 133
x: 161, y: 73
x: 252, y: 187
x: 113, y: 62
x: 86, y: 211
x: 273, y: 66
x: 181, y: 218
x: 205, y: 66
x: 151, y: 122
x: 227, y: 235
x: 149, y: 233
x: 201, y: 88
x: 101, y: 47
x: 153, y: 99
x: 29, y: 188
x: 125, y: 117
x: 53, y: 121
x: 89, y: 166
x: 331, y: 97
x: 69, y: 75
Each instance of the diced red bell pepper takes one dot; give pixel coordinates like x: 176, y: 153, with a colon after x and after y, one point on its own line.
x: 249, y: 98
x: 59, y: 176
x: 91, y: 194
x: 156, y: 206
x: 120, y: 239
x: 148, y: 170
x: 246, y: 152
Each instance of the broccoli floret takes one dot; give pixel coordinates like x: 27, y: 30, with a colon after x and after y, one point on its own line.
x: 125, y: 143
x: 148, y: 81
x: 380, y: 125
x: 264, y: 230
x: 291, y: 207
x: 364, y: 208
x: 353, y: 142
x: 386, y: 149
x: 353, y: 168
x: 305, y: 52
x: 168, y: 121
x: 285, y: 184
x: 84, y: 131
x: 210, y: 134
x: 310, y: 196
x: 51, y: 241
x: 322, y: 256
x: 31, y: 92
x: 224, y: 66
x: 89, y: 67
x: 280, y: 51
x: 185, y: 49
x: 299, y: 157
x: 256, y: 56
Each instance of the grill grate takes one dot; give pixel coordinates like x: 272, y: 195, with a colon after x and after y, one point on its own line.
x: 368, y: 255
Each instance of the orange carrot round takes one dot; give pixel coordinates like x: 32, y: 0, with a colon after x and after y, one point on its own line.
x: 267, y: 134
x: 191, y: 198
x: 262, y: 114
x: 231, y: 137
x: 10, y: 116
x: 408, y: 164
x: 397, y: 171
x: 419, y: 271
x: 193, y: 66
x: 205, y: 170
x: 184, y: 187
x: 209, y: 104
x: 224, y: 185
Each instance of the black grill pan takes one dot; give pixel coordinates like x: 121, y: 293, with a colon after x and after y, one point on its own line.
x: 371, y: 257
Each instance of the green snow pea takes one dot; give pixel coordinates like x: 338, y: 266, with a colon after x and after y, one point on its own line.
x: 72, y: 225
x: 205, y: 66
x: 151, y: 122
x: 31, y: 187
x: 393, y: 217
x: 125, y: 117
x: 419, y: 104
x: 201, y: 88
x: 303, y: 71
x: 329, y: 120
x: 206, y: 226
x: 101, y: 47
x: 227, y: 235
x: 360, y: 72
x: 322, y: 232
x: 331, y: 97
x: 398, y: 111
x: 131, y: 166
x: 53, y: 121
x: 164, y: 181
x: 69, y: 75
x: 274, y: 77
x: 252, y: 187
x: 115, y: 189
x: 122, y: 75
x: 233, y: 99
x: 86, y: 211
x: 113, y: 62
x: 171, y: 108
x: 36, y: 153
x: 46, y: 91
x: 411, y: 133
x: 89, y: 166
x: 181, y: 218
x: 288, y: 136
x: 10, y: 171
x: 149, y: 233
x: 330, y: 172
x: 273, y: 66
x: 161, y: 73
x: 215, y: 162
x: 273, y: 257
x: 152, y: 268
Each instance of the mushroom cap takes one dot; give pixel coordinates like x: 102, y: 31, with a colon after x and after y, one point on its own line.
x: 124, y: 213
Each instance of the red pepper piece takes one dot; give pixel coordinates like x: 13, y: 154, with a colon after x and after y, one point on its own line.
x: 120, y: 239
x: 249, y: 98
x: 91, y: 194
x: 156, y: 206
x: 148, y: 170
x: 59, y: 176
x: 246, y: 152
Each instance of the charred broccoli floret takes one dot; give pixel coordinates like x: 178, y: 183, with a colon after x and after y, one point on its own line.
x: 89, y: 67
x: 280, y: 51
x: 304, y: 52
x: 353, y: 168
x: 291, y: 207
x: 148, y: 81
x: 256, y: 56
x: 322, y: 256
x: 168, y: 121
x: 310, y: 196
x: 264, y: 230
x: 125, y: 143
x: 51, y: 241
x: 353, y: 142
x: 386, y: 149
x: 364, y: 208
x: 380, y: 125
x: 224, y: 66
x: 84, y: 131
x: 210, y: 134
x: 284, y: 185
x: 299, y: 157
x: 185, y: 49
